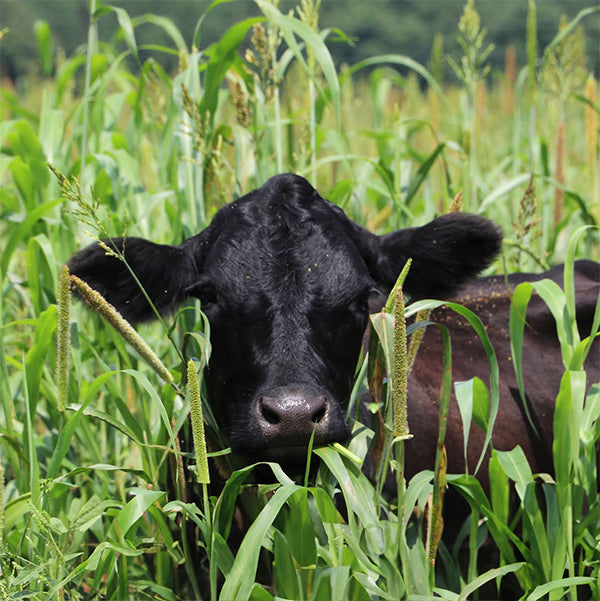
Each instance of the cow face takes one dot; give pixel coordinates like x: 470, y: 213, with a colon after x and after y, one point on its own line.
x: 284, y: 278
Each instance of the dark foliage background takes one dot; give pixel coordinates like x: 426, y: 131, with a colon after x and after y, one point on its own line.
x: 375, y: 26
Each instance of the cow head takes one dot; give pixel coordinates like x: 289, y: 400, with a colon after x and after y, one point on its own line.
x: 284, y: 278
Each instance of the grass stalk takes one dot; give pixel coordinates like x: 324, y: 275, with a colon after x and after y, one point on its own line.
x: 532, y: 44
x: 559, y: 169
x: 592, y: 140
x: 90, y: 48
x: 201, y: 470
x: 5, y: 393
x: 473, y: 535
x: 278, y: 126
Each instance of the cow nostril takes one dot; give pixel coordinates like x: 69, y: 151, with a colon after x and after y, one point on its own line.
x: 269, y: 415
x: 319, y: 415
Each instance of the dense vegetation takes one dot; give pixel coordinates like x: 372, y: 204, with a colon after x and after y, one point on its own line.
x: 89, y: 504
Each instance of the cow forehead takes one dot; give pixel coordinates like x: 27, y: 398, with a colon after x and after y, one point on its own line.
x: 269, y: 259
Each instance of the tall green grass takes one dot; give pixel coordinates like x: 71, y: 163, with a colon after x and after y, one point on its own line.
x: 95, y: 499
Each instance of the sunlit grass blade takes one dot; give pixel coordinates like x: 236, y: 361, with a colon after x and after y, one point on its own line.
x: 238, y: 584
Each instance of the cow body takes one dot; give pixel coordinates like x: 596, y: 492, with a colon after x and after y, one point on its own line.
x: 284, y: 278
x: 490, y: 298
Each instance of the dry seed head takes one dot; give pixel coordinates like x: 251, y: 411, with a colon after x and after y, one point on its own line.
x: 199, y: 122
x: 197, y: 419
x: 262, y: 57
x: 250, y: 58
x: 241, y: 101
x: 527, y: 221
x: 221, y: 173
x: 260, y: 44
x: 308, y: 11
x: 63, y: 346
x: 456, y: 206
x: 528, y: 209
x: 99, y: 304
x: 564, y: 70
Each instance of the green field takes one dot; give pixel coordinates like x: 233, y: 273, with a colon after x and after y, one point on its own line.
x: 103, y: 143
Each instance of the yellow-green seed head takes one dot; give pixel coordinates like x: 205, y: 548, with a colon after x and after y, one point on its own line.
x: 63, y: 345
x: 197, y: 418
x: 400, y: 368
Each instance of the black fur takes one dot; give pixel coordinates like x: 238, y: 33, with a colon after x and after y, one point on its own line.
x: 284, y: 278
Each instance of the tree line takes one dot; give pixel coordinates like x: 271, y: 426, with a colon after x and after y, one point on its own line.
x: 359, y: 28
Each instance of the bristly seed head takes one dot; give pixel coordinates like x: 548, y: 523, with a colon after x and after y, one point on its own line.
x: 63, y: 345
x: 99, y: 304
x: 400, y: 368
x: 197, y: 419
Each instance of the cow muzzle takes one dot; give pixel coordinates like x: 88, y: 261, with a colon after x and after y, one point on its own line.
x: 285, y: 417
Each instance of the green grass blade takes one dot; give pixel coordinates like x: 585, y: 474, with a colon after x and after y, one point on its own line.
x: 66, y: 434
x: 421, y: 174
x: 544, y: 589
x: 567, y: 425
x: 238, y: 584
x: 21, y: 231
x: 43, y: 36
x: 361, y: 504
x: 517, y: 319
x: 473, y: 403
x: 29, y: 446
x: 131, y: 513
x: 223, y: 54
x: 290, y: 28
x: 488, y: 576
x: 167, y: 26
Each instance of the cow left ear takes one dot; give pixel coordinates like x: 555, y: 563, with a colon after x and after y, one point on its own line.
x: 445, y: 253
x: 162, y: 271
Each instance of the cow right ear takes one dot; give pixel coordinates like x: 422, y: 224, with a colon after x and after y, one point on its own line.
x: 164, y: 272
x: 445, y: 253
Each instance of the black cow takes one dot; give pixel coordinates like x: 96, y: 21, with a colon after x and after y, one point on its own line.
x: 285, y: 279
x: 490, y: 299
